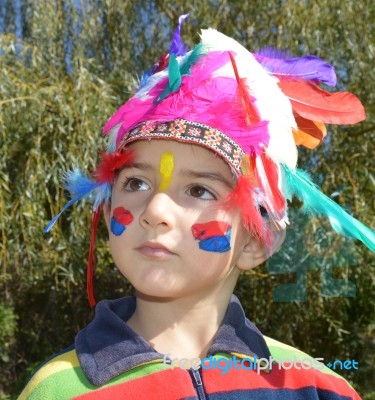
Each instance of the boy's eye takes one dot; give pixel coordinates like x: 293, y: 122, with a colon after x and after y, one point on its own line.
x: 201, y: 192
x: 135, y: 184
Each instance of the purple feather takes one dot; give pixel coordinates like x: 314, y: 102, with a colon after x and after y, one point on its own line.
x: 284, y: 65
x: 178, y: 48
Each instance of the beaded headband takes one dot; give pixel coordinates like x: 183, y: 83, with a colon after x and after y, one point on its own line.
x: 190, y: 132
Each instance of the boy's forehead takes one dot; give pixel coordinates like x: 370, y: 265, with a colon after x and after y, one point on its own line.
x: 186, y: 155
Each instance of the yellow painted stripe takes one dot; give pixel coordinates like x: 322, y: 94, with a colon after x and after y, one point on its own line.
x: 166, y: 170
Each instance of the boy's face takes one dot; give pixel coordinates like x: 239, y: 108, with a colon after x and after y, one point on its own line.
x: 168, y: 234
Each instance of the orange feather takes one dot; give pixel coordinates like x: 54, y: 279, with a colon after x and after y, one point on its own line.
x: 312, y: 102
x: 309, y: 133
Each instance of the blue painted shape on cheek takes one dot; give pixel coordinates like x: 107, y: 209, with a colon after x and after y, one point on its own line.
x: 217, y: 244
x: 116, y: 228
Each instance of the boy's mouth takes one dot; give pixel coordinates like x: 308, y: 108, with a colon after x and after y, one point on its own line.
x: 154, y: 250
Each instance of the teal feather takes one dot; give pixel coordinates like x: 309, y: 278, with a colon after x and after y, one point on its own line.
x: 176, y: 72
x: 198, y: 51
x: 174, y: 77
x: 298, y: 183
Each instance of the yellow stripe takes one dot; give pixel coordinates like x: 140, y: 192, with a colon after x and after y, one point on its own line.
x: 158, y: 360
x: 59, y: 363
x: 276, y: 344
x: 262, y: 363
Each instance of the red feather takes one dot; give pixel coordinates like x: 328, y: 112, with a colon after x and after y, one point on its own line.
x: 110, y: 163
x: 163, y: 62
x: 312, y: 102
x: 270, y: 168
x: 241, y: 198
x: 310, y: 133
x: 251, y: 114
x: 91, y: 260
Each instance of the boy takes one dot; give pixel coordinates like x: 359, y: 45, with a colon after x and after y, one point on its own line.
x: 193, y: 188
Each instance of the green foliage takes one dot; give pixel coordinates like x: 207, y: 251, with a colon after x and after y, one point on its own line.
x: 54, y: 100
x: 8, y: 329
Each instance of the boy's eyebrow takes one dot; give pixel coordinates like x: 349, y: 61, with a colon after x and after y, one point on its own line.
x: 212, y: 176
x: 138, y: 165
x: 189, y: 173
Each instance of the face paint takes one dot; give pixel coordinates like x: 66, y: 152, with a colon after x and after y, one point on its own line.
x: 209, y: 229
x: 166, y: 170
x: 217, y: 244
x: 213, y: 236
x: 120, y: 218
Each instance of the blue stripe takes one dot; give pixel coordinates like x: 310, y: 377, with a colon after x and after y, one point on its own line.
x: 309, y: 393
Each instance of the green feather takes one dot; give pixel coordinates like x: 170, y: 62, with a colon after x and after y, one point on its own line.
x: 298, y: 183
x: 194, y: 56
x: 174, y: 78
x: 176, y: 72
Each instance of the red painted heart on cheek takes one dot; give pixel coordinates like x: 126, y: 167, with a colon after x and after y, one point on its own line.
x: 123, y: 216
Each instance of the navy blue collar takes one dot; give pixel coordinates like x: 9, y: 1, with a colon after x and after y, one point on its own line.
x: 107, y: 347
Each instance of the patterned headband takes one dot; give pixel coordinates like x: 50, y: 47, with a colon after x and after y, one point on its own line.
x: 190, y: 132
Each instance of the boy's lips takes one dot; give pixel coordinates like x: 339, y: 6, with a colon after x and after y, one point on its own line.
x: 154, y: 250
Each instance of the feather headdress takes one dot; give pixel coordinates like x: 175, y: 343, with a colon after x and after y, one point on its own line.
x: 252, y: 109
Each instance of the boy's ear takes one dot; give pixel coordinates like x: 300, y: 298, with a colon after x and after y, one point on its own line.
x: 255, y: 252
x: 107, y: 214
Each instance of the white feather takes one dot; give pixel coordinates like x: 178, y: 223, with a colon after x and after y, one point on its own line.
x: 112, y: 138
x: 272, y: 104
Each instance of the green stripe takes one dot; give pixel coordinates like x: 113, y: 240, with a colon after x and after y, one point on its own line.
x: 73, y: 382
x: 283, y: 354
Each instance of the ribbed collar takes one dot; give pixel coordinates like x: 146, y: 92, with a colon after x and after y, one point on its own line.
x: 108, y: 347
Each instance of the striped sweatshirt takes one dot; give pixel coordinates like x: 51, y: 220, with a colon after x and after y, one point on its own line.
x: 110, y: 361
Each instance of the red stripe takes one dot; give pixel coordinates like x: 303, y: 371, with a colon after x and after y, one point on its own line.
x: 171, y: 384
x: 292, y: 379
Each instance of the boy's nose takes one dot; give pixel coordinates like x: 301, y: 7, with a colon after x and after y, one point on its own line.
x: 158, y: 212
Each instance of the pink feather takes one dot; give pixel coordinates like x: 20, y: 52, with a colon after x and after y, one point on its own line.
x: 196, y: 100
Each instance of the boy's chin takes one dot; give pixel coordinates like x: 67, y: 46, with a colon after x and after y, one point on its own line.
x: 154, y: 297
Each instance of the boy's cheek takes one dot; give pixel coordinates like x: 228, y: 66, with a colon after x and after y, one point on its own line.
x: 121, y: 217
